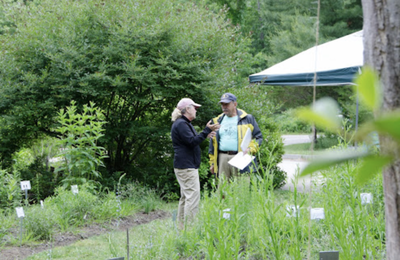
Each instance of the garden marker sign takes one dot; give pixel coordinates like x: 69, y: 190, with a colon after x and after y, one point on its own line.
x: 292, y: 211
x: 317, y: 213
x: 329, y: 255
x: 74, y: 189
x: 366, y: 198
x: 25, y: 186
x: 20, y: 212
x: 226, y: 214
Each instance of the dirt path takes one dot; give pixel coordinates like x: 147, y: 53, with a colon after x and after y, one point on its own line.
x: 64, y: 239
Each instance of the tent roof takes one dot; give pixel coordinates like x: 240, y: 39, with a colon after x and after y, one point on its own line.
x: 336, y: 63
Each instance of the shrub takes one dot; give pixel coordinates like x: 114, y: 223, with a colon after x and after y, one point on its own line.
x: 134, y: 59
x: 289, y: 123
x: 270, y: 155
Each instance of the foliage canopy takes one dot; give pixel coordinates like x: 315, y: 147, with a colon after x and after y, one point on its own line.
x: 134, y: 59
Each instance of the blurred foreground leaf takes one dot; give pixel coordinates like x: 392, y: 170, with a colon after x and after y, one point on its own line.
x: 324, y: 113
x: 368, y: 87
x: 332, y: 158
x: 389, y: 124
x: 370, y: 167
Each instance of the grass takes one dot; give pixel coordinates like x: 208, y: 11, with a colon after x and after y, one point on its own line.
x: 259, y: 226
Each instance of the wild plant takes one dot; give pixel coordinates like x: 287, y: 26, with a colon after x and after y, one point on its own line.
x: 142, y: 197
x: 73, y: 209
x: 106, y: 207
x: 39, y: 223
x: 79, y: 133
x: 150, y: 201
x: 297, y: 225
x: 351, y: 225
x: 223, y: 219
x: 10, y: 190
x: 269, y: 233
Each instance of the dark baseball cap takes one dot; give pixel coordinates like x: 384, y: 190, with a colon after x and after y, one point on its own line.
x: 227, y: 98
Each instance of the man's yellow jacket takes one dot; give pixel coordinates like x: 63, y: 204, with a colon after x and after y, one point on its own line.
x: 244, y: 121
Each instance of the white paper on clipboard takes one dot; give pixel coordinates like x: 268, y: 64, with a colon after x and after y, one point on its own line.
x: 240, y: 160
x: 246, y: 140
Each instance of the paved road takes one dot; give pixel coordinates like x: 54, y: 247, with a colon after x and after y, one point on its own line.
x: 293, y: 164
x: 292, y: 168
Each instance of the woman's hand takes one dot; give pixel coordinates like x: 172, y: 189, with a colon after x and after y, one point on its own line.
x: 213, y: 127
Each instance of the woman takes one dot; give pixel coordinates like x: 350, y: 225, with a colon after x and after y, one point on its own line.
x: 186, y: 142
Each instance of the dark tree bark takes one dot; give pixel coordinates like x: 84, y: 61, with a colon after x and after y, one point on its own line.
x: 382, y: 52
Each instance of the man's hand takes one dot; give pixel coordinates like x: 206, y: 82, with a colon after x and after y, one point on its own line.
x: 212, y: 169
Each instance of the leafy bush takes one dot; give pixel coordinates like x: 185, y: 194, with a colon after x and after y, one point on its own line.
x: 135, y: 60
x: 289, y: 123
x: 270, y: 155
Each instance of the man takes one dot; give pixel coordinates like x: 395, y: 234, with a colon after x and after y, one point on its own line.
x: 186, y: 143
x: 225, y: 144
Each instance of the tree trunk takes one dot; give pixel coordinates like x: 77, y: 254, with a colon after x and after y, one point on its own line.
x: 382, y: 52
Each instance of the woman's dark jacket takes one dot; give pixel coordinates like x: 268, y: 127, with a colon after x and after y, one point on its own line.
x: 186, y: 143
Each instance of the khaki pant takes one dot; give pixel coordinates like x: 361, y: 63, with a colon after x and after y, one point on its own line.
x: 225, y: 168
x: 190, y: 193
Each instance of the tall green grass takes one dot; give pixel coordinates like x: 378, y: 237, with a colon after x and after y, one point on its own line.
x: 260, y: 224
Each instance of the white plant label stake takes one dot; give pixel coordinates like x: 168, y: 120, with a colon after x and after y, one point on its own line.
x: 292, y: 211
x: 20, y: 212
x: 366, y: 198
x: 74, y: 189
x: 41, y: 204
x: 226, y: 214
x: 317, y: 213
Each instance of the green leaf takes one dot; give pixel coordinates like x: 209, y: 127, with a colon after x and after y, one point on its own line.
x: 324, y: 113
x: 389, y: 124
x: 332, y: 158
x: 370, y: 167
x: 368, y: 87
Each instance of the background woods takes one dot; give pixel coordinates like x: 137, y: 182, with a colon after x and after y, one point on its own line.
x: 134, y: 60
